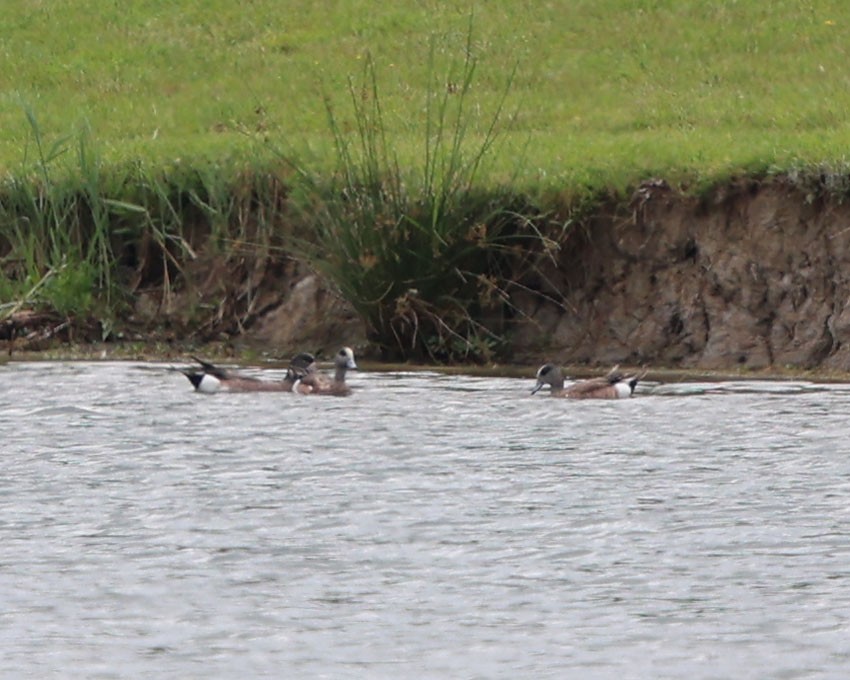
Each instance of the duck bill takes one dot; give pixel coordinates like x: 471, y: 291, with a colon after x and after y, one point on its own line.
x: 537, y: 388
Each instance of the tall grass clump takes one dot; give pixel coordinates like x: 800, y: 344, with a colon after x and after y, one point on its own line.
x: 54, y: 230
x: 425, y: 256
x: 66, y: 227
x: 80, y: 239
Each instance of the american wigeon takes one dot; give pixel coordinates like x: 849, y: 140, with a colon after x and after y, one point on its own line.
x: 319, y: 383
x: 611, y: 386
x: 211, y: 378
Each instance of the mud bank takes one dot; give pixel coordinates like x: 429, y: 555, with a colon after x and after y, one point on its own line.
x: 754, y: 276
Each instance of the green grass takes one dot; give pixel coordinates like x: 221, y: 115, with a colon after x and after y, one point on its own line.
x: 607, y: 91
x: 412, y: 148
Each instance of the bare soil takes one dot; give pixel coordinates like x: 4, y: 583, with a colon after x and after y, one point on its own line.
x: 753, y: 278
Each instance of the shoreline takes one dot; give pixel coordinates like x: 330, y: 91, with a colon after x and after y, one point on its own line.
x: 162, y: 353
x: 750, y: 281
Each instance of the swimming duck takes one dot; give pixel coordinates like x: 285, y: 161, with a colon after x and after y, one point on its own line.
x: 611, y: 386
x: 211, y: 378
x: 319, y: 383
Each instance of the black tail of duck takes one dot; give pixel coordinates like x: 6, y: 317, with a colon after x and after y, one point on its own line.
x: 614, y: 385
x: 210, y: 378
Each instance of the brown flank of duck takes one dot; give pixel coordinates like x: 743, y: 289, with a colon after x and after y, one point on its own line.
x: 211, y: 378
x: 611, y: 386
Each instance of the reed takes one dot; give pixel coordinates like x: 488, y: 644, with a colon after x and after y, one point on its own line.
x: 424, y: 255
x: 79, y: 239
x: 45, y: 260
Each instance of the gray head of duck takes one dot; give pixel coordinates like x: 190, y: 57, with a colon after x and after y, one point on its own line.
x: 344, y: 359
x: 548, y: 374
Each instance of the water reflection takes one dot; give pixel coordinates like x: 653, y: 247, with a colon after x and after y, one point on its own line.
x: 428, y: 526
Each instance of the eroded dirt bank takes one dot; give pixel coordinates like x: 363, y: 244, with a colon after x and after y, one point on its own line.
x: 756, y: 275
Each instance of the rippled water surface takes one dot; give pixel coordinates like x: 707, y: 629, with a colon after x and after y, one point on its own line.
x: 428, y: 526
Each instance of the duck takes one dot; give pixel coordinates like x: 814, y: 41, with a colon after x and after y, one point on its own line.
x: 313, y: 382
x: 210, y: 378
x: 614, y: 385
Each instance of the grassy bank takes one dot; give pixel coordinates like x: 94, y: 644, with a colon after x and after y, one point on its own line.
x: 135, y: 137
x: 606, y: 91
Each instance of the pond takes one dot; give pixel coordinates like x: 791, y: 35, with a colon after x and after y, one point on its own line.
x: 428, y: 526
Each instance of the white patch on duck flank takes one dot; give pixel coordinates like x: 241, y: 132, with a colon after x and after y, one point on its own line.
x: 623, y: 388
x: 209, y: 384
